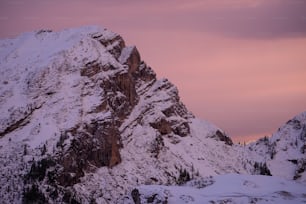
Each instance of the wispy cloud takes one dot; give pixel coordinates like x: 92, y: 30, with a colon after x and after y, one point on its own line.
x: 235, y: 18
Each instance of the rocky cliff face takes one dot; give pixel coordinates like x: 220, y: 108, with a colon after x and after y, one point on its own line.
x: 85, y: 120
x: 77, y: 105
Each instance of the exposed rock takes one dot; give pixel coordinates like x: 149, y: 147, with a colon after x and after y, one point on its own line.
x: 131, y: 57
x: 157, y: 146
x: 94, y: 67
x: 301, y: 168
x: 163, y: 126
x: 261, y: 169
x: 180, y: 128
x: 296, y: 124
x: 222, y: 137
x: 19, y: 117
x: 136, y: 196
x: 145, y: 73
x: 126, y: 85
x: 114, y: 43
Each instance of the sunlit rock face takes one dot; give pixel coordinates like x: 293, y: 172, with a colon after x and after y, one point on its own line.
x: 68, y: 101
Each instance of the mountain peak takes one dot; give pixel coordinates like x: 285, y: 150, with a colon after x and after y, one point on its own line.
x: 81, y: 111
x: 72, y: 101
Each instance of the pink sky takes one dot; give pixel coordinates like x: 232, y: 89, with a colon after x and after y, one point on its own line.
x: 238, y: 63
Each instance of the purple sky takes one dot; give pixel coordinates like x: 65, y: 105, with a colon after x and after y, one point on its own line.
x: 238, y: 63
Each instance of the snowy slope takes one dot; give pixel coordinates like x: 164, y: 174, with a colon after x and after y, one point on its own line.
x: 285, y: 151
x: 43, y: 95
x: 84, y: 119
x: 229, y: 188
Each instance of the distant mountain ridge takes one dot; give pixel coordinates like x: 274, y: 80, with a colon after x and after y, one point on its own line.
x: 284, y: 152
x: 85, y: 120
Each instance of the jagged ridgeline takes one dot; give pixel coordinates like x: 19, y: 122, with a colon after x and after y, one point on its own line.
x: 85, y: 120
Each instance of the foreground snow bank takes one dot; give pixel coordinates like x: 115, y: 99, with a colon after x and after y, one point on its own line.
x: 229, y: 188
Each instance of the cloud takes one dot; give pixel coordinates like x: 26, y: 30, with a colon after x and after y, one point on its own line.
x: 234, y: 18
x: 272, y: 19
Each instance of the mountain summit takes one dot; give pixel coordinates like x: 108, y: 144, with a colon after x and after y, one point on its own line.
x: 85, y: 120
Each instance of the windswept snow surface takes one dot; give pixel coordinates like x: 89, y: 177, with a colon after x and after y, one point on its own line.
x: 229, y: 188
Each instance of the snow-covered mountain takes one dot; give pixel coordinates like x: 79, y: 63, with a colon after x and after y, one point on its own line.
x: 281, y: 158
x: 284, y: 152
x: 85, y: 120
